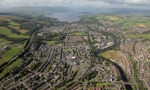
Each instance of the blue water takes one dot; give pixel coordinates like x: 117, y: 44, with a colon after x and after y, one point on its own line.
x: 69, y: 17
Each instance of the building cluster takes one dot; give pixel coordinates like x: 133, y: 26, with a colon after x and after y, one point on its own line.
x: 142, y: 57
x: 72, y: 40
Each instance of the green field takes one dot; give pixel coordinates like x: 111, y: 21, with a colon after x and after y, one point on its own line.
x: 145, y: 36
x: 1, y: 40
x: 124, y: 20
x: 15, y: 27
x: 79, y: 34
x: 147, y: 24
x: 14, y: 23
x: 50, y: 42
x: 111, y: 54
x: 22, y: 31
x: 10, y: 67
x: 17, y: 36
x: 5, y: 31
x: 3, y: 60
x: 131, y: 36
x: 102, y: 84
x: 11, y: 53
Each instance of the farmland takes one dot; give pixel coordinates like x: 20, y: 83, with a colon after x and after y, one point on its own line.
x: 10, y: 67
x: 144, y: 36
x: 110, y: 54
x: 22, y: 31
x: 1, y: 39
x: 50, y: 42
x: 17, y: 36
x: 11, y: 53
x: 125, y: 21
x: 16, y: 26
x: 6, y: 31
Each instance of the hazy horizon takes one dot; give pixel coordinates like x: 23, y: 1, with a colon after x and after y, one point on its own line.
x: 139, y: 4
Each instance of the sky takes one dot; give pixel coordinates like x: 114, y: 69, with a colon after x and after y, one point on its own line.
x: 77, y: 3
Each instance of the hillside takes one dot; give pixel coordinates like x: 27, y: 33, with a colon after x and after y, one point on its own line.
x: 37, y: 10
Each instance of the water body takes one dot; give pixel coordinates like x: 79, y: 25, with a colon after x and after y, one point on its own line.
x: 69, y: 17
x: 17, y: 42
x: 124, y: 78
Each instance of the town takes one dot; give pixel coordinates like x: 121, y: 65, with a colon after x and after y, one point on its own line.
x: 104, y: 55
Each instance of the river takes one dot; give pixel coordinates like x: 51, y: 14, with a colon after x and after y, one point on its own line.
x: 124, y: 78
x: 69, y: 17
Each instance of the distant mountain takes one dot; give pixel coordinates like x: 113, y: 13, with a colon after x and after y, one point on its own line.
x: 2, y: 9
x: 119, y: 10
x: 37, y: 10
x: 133, y: 12
x: 93, y: 9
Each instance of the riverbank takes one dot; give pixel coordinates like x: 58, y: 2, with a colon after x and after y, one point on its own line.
x: 122, y: 74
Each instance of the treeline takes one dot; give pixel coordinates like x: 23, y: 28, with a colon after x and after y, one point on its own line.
x: 12, y: 39
x: 3, y: 23
x: 28, y: 24
x: 31, y: 26
x: 90, y: 75
x: 31, y: 23
x: 13, y: 30
x: 48, y: 20
x: 36, y: 42
x: 88, y: 20
x: 20, y: 21
x: 54, y: 37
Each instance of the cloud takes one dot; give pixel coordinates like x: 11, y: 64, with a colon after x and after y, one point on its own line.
x: 11, y: 3
x: 129, y: 2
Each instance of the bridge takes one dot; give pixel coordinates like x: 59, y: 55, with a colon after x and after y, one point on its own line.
x: 127, y: 83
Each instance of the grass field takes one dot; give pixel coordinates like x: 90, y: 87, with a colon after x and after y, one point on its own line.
x: 145, y: 36
x: 11, y: 53
x: 10, y: 67
x: 147, y: 24
x: 3, y: 60
x: 131, y: 36
x: 12, y: 23
x: 111, y: 54
x: 99, y: 18
x: 126, y: 21
x: 5, y: 31
x: 22, y: 31
x: 102, y: 84
x: 79, y: 34
x: 15, y: 27
x: 1, y: 40
x: 50, y: 42
x: 17, y: 36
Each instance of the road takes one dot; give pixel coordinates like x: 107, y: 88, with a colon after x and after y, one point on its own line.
x: 48, y: 60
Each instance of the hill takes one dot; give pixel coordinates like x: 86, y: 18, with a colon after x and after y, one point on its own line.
x: 37, y: 10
